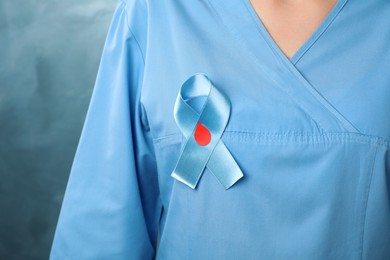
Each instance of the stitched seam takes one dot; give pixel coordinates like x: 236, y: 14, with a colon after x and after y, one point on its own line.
x: 366, y: 201
x: 324, y: 103
x: 323, y: 30
x: 299, y: 137
x: 305, y: 139
x: 131, y: 31
x: 166, y: 136
x: 143, y: 109
x: 255, y: 19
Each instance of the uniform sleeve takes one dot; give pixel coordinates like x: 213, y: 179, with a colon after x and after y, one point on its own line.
x: 111, y: 206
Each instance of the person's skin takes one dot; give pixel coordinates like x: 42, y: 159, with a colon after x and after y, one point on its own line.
x: 291, y: 22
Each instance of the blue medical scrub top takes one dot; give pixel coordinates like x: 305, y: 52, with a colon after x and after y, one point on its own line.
x: 301, y: 170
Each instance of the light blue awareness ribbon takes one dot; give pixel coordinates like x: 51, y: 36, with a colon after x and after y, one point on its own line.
x: 214, y: 116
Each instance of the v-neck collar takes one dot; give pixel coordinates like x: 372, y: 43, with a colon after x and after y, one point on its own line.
x: 308, y: 43
x: 273, y: 64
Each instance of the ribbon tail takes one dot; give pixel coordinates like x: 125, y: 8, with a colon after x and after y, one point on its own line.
x: 186, y: 179
x: 191, y: 163
x: 223, y: 166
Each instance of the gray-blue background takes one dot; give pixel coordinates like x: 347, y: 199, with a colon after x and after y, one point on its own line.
x: 49, y: 56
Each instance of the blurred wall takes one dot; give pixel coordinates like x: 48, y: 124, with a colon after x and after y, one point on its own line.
x: 49, y: 56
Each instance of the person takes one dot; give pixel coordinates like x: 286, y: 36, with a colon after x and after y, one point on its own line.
x: 235, y: 130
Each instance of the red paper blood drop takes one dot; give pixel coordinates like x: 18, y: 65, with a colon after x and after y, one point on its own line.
x: 202, y: 134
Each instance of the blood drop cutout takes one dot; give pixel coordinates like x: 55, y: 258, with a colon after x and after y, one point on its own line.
x: 202, y: 134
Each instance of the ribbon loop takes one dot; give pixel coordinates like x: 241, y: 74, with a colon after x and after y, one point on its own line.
x: 203, y: 146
